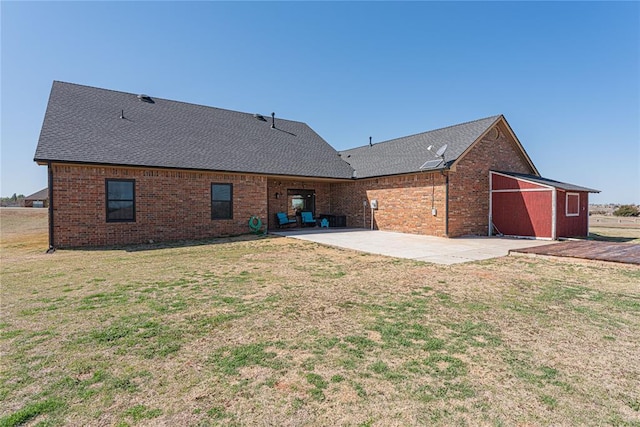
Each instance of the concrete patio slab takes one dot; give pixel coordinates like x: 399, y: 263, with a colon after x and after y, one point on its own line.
x: 437, y: 250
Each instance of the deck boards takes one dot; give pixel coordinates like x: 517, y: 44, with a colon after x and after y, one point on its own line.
x: 603, y: 251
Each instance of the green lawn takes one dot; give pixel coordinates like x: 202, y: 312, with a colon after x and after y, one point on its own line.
x: 273, y: 331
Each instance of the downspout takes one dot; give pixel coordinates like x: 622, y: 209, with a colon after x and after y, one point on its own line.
x: 446, y: 203
x: 50, y: 181
x: 554, y: 214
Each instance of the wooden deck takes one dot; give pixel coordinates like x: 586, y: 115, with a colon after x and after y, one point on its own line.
x: 603, y: 251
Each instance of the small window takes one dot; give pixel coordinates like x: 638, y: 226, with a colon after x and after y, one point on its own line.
x: 573, y: 204
x: 221, y: 201
x: 121, y: 200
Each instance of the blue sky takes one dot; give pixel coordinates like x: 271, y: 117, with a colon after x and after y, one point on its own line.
x: 565, y: 75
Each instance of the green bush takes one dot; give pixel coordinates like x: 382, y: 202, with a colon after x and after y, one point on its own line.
x: 627, y: 210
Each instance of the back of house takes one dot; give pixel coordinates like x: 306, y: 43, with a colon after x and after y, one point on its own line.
x: 129, y: 168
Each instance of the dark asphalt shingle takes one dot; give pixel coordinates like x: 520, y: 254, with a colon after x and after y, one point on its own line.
x: 409, y: 153
x: 39, y: 195
x: 83, y: 124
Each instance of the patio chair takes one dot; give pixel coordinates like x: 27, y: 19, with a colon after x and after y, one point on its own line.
x: 284, y: 220
x: 307, y: 219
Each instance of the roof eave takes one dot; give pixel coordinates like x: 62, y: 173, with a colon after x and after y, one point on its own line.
x: 45, y: 162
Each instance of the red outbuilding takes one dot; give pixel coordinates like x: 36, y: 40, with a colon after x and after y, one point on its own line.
x: 532, y: 206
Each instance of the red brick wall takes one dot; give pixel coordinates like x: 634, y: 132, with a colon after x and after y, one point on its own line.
x: 170, y: 205
x: 176, y: 205
x: 404, y: 203
x: 469, y: 183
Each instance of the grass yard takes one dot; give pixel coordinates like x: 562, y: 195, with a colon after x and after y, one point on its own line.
x: 275, y: 331
x: 614, y: 229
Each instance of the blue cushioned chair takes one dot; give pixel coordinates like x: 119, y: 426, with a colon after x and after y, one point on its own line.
x: 307, y: 219
x: 283, y: 219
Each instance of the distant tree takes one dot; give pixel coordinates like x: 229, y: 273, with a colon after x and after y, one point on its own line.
x: 627, y: 210
x: 15, y: 200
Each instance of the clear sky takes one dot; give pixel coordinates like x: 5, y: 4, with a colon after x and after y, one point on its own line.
x: 565, y: 75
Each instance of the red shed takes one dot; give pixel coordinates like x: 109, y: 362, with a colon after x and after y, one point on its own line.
x: 532, y: 206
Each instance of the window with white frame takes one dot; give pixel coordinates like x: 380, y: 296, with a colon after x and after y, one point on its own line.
x: 572, y: 205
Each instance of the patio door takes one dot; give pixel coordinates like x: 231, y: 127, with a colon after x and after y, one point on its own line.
x: 301, y: 200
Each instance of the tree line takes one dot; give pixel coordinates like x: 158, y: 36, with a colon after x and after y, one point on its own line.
x: 15, y: 200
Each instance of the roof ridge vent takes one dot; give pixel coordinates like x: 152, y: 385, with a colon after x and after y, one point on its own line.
x: 145, y: 98
x: 260, y: 117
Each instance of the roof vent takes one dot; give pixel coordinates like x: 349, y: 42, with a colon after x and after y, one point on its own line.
x: 145, y: 98
x: 260, y: 117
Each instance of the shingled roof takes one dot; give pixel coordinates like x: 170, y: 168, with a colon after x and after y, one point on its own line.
x: 39, y: 195
x: 408, y: 154
x: 98, y: 126
x: 549, y: 182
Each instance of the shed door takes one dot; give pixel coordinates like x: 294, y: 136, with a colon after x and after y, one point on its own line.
x: 521, y: 208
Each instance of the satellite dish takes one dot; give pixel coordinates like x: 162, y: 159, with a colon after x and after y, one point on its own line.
x: 441, y: 150
x: 430, y: 147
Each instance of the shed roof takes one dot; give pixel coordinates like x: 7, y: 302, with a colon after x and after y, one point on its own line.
x: 39, y: 195
x: 550, y: 182
x: 90, y: 125
x: 410, y: 153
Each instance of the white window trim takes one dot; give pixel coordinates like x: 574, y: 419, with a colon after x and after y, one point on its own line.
x: 566, y: 204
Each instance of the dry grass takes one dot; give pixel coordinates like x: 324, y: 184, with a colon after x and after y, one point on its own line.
x: 614, y: 229
x: 273, y: 331
x: 615, y: 234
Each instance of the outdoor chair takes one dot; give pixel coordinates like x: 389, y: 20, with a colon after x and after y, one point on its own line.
x: 307, y: 219
x: 283, y: 220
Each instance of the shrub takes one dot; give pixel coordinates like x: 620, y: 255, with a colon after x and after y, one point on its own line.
x: 627, y: 210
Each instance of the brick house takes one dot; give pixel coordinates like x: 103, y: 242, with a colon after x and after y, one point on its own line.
x: 39, y: 199
x: 126, y: 169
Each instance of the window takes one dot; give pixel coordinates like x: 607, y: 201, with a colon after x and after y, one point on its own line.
x: 221, y: 201
x: 573, y: 204
x: 121, y: 200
